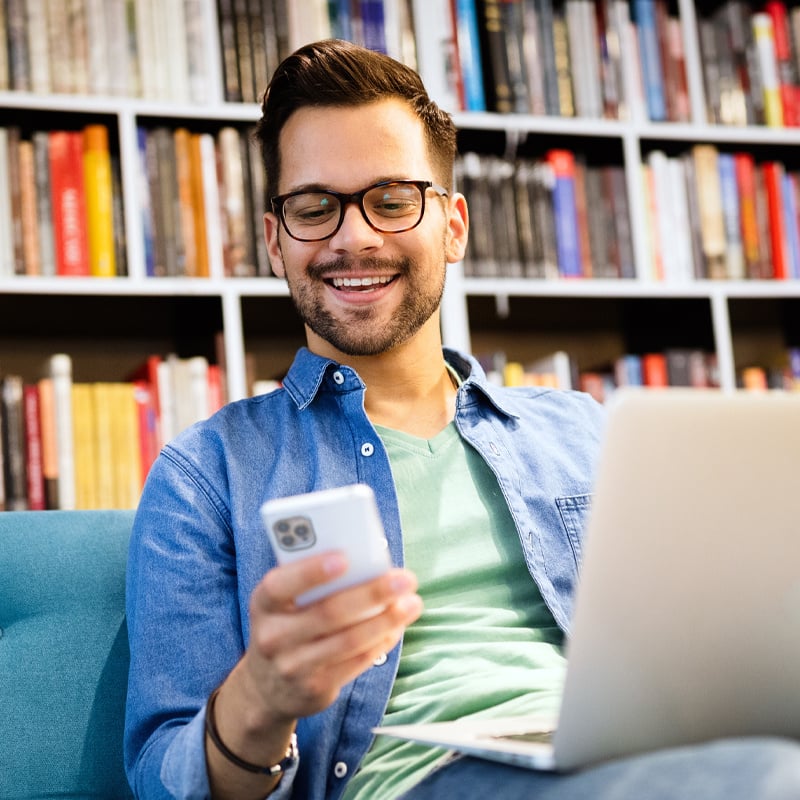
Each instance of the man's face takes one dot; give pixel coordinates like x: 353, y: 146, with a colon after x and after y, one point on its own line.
x: 361, y: 291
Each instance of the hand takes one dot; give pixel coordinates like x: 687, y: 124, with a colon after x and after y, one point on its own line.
x: 299, y: 658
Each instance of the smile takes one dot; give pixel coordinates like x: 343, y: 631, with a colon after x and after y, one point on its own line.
x: 361, y: 283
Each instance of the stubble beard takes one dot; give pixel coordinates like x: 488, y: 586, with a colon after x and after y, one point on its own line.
x: 360, y: 333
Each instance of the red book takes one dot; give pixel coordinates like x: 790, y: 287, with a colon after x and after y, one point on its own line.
x: 69, y: 203
x: 745, y: 168
x: 779, y: 243
x: 144, y: 396
x: 33, y: 447
x: 787, y: 77
x: 654, y: 369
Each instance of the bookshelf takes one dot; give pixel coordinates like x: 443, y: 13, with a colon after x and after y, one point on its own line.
x: 111, y: 325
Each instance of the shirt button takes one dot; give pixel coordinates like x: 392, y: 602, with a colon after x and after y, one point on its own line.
x: 367, y: 449
x: 340, y: 770
x: 338, y: 377
x: 380, y: 660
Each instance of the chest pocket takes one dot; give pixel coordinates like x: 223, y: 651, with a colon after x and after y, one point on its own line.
x: 574, y: 512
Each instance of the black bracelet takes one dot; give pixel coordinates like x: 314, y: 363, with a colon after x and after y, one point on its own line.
x: 213, y: 734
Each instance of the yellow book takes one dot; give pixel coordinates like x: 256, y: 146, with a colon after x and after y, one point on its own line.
x: 84, y: 446
x: 99, y: 202
x: 104, y: 413
x: 764, y: 35
x: 125, y: 444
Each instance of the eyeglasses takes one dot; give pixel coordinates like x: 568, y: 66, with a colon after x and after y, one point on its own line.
x: 388, y: 207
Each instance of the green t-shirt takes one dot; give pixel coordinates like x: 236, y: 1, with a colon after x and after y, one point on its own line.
x: 486, y: 644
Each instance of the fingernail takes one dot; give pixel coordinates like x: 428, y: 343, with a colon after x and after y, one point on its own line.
x: 334, y: 563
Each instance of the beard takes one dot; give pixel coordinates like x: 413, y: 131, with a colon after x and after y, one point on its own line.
x: 361, y: 332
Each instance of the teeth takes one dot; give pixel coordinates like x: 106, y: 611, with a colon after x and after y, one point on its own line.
x: 355, y: 282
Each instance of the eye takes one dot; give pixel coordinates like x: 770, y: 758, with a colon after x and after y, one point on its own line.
x: 311, y: 209
x: 394, y: 201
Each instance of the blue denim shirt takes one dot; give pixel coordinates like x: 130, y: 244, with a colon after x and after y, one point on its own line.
x: 198, y: 549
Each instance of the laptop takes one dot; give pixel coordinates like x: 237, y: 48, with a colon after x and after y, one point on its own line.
x: 687, y: 618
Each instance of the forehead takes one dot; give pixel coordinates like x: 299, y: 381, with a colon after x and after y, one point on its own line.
x: 347, y: 148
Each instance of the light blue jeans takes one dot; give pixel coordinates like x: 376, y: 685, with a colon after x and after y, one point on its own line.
x: 730, y: 769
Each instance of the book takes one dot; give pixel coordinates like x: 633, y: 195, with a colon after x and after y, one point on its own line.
x: 44, y: 206
x: 186, y: 195
x: 500, y: 93
x: 566, y: 103
x: 6, y: 222
x: 14, y: 137
x: 33, y: 447
x: 233, y: 204
x: 731, y: 215
x: 581, y: 18
x: 69, y: 203
x: 745, y: 172
x: 709, y: 200
x: 654, y: 370
x: 38, y: 50
x: 59, y: 368
x: 105, y: 413
x: 470, y: 57
x: 147, y: 417
x: 565, y: 213
x: 13, y: 428
x: 773, y: 172
x: 87, y: 477
x: 230, y: 60
x: 764, y: 36
x: 49, y: 441
x: 125, y: 445
x: 17, y: 46
x: 784, y: 61
x: 28, y: 211
x: 98, y: 187
x: 644, y: 15
x: 544, y: 20
x: 437, y: 61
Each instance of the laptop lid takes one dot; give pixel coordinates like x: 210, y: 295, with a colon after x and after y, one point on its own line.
x: 687, y: 618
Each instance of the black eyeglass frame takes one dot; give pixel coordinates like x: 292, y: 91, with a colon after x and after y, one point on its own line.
x: 344, y: 199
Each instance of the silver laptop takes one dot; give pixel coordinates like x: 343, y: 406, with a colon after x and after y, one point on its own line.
x: 687, y: 617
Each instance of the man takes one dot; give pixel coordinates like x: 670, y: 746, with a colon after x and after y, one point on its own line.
x: 482, y: 491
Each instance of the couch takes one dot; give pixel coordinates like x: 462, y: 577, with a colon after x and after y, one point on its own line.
x: 63, y: 653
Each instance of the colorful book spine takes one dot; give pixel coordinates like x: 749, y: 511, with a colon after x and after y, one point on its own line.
x: 69, y: 203
x: 644, y: 12
x: 565, y: 212
x: 99, y: 201
x: 779, y: 243
x: 33, y: 447
x: 469, y: 54
x: 764, y: 36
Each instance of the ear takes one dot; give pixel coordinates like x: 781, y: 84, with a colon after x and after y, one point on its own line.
x: 457, y: 228
x: 271, y: 230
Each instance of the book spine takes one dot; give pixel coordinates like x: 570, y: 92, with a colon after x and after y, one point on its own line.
x: 729, y: 193
x: 649, y: 51
x: 469, y: 55
x: 16, y: 481
x: 15, y: 189
x: 60, y: 367
x: 566, y: 97
x: 44, y: 206
x: 373, y: 22
x: 709, y: 200
x: 773, y: 182
x: 787, y: 77
x: 33, y: 448
x: 99, y: 201
x: 565, y: 213
x: 28, y: 209
x: 764, y: 35
x: 49, y: 441
x: 6, y: 222
x: 745, y: 171
x: 69, y: 203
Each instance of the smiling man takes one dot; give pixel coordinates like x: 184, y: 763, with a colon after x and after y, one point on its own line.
x: 238, y: 692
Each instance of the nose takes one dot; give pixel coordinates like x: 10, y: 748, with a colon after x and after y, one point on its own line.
x: 355, y: 235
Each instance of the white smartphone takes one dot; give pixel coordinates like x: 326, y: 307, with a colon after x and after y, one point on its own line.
x: 345, y: 518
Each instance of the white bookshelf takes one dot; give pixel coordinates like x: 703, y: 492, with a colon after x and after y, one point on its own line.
x: 239, y: 300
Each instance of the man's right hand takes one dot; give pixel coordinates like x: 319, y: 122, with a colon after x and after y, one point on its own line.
x: 299, y: 658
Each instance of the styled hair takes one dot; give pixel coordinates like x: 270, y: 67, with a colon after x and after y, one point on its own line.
x: 334, y: 73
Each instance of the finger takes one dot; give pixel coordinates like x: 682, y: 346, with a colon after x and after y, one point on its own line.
x: 281, y: 585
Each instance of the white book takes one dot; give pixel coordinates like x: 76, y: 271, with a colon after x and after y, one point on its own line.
x: 682, y: 239
x: 211, y: 205
x: 198, y: 401
x: 59, y: 368
x: 197, y: 51
x: 117, y: 64
x: 663, y: 223
x: 166, y: 399
x: 146, y: 49
x: 38, y: 49
x: 173, y: 40
x: 6, y: 236
x: 308, y: 22
x: 99, y: 73
x: 436, y: 62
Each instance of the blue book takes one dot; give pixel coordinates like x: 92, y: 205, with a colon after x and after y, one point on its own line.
x: 469, y: 55
x: 644, y: 14
x: 339, y: 16
x: 565, y: 213
x: 729, y: 194
x: 146, y: 204
x: 373, y: 24
x: 790, y: 221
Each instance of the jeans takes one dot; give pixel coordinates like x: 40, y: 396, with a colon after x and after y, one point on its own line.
x: 728, y: 769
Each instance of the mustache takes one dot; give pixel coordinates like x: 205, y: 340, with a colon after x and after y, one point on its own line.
x: 344, y: 264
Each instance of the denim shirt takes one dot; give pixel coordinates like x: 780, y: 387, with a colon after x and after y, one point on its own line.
x: 198, y: 550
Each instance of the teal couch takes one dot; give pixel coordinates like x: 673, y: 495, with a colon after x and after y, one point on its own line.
x: 63, y: 653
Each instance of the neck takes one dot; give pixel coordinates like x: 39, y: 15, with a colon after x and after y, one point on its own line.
x: 409, y: 388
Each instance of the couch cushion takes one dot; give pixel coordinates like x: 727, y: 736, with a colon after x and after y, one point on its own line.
x: 63, y: 653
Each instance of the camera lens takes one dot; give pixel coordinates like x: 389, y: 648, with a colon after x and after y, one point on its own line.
x: 282, y: 526
x: 302, y: 531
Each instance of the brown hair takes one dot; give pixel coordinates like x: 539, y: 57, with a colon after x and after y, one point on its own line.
x: 338, y: 73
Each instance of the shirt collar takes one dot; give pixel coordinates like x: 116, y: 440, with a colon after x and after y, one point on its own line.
x: 308, y: 372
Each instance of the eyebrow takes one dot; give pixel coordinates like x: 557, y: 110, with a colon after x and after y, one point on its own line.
x: 320, y: 187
